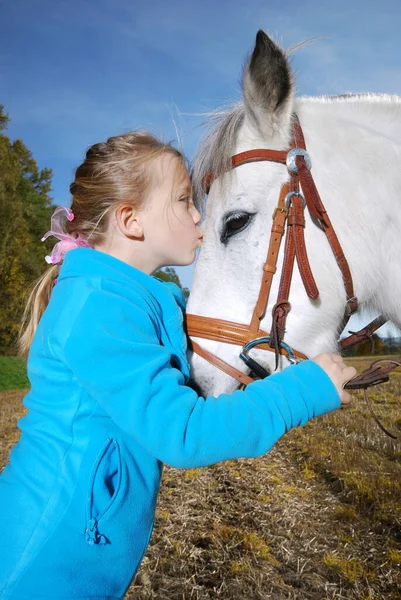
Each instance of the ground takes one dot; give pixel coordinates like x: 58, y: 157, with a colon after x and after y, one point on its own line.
x: 317, y: 518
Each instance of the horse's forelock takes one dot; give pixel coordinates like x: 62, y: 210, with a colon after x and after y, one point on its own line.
x: 216, y: 147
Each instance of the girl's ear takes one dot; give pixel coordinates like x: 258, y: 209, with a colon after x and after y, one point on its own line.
x: 129, y: 220
x: 268, y: 88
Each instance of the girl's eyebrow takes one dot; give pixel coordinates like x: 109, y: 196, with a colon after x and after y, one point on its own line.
x: 186, y: 188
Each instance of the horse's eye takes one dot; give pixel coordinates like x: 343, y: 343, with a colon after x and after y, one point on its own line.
x: 235, y: 223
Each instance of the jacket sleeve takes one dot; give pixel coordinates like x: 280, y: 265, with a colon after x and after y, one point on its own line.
x: 115, y: 354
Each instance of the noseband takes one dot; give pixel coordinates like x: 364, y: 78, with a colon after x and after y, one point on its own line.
x: 288, y: 212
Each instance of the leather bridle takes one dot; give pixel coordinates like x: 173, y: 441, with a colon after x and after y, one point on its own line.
x: 297, y: 193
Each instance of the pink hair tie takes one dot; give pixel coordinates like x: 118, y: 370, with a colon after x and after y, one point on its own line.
x: 67, y: 241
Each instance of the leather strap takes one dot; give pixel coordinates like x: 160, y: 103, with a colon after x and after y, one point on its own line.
x: 221, y: 364
x: 296, y: 221
x: 362, y: 334
x: 283, y: 306
x: 295, y: 247
x: 248, y: 156
x: 317, y: 209
x: 269, y: 268
x: 277, y: 156
x: 227, y: 331
x: 378, y: 372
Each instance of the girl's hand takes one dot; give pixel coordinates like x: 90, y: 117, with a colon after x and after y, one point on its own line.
x: 338, y: 372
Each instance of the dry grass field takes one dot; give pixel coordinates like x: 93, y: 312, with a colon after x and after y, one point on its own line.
x: 317, y: 518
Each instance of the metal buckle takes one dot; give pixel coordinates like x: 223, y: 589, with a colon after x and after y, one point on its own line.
x: 256, y: 367
x: 280, y: 209
x: 290, y: 195
x: 291, y: 159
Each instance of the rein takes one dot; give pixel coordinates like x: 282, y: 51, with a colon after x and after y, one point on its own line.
x: 290, y: 211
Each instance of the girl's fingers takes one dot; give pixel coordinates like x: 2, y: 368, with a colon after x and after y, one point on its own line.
x: 349, y: 373
x: 345, y: 397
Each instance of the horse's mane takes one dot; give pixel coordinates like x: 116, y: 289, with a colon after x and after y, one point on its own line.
x: 221, y: 127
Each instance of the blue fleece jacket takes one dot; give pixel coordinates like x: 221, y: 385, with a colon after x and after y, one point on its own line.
x: 108, y: 405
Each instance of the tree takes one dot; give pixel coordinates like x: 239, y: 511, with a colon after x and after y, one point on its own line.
x: 4, y: 119
x: 25, y: 209
x: 169, y: 274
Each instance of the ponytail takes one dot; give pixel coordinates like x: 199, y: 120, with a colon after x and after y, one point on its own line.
x: 38, y: 299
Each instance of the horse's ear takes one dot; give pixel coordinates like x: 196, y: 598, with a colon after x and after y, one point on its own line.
x: 268, y: 87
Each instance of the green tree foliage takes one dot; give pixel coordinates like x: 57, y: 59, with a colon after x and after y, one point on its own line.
x: 169, y: 274
x: 25, y: 209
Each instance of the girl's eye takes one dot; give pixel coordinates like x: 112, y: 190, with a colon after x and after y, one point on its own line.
x: 234, y: 224
x: 188, y: 201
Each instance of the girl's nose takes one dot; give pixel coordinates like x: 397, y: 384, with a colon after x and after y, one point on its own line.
x: 197, y: 217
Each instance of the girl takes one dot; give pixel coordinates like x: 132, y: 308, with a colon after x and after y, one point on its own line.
x: 109, y: 400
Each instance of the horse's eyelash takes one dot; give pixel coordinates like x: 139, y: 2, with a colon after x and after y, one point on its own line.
x: 225, y: 236
x: 233, y: 216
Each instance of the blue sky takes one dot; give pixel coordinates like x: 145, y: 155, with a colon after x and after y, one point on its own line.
x: 73, y: 72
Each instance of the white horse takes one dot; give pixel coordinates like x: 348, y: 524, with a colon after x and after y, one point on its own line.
x: 354, y: 145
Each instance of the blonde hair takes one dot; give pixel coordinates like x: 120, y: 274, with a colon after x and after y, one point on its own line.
x: 113, y: 172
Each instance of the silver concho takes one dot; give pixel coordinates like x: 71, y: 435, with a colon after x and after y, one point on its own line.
x: 291, y: 157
